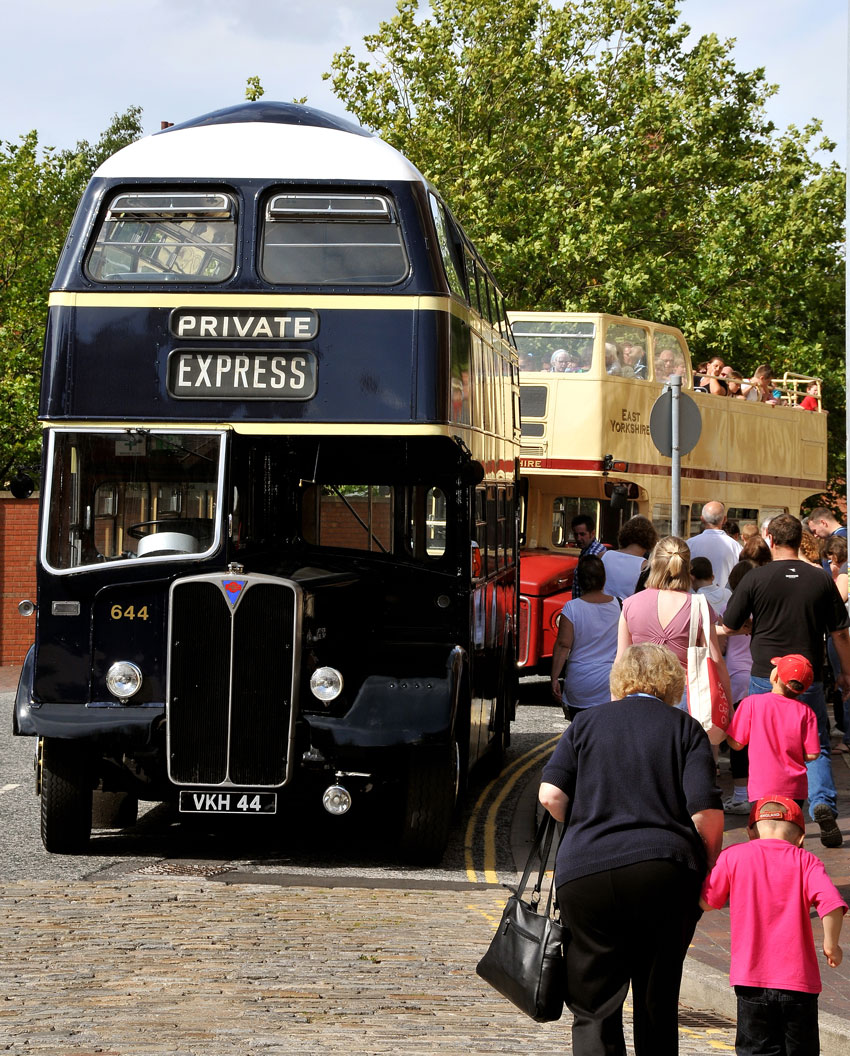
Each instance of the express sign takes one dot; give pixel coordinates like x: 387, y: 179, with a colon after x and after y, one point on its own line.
x: 233, y: 374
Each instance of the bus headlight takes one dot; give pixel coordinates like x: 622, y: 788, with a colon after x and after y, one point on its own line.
x: 326, y: 683
x: 123, y: 679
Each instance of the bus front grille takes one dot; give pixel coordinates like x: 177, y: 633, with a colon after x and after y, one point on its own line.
x: 232, y: 647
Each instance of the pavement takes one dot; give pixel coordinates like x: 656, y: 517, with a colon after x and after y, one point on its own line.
x: 195, y: 959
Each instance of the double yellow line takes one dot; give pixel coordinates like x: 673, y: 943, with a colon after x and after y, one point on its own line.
x: 505, y: 783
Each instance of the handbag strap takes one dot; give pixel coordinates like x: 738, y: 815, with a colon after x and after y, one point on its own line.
x: 699, y: 620
x: 542, y: 846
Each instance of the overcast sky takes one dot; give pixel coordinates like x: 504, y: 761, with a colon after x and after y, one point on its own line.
x: 69, y: 66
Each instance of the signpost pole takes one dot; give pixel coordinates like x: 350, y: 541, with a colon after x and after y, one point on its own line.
x: 676, y: 474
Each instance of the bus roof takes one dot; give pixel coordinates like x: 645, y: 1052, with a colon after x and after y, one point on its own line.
x: 262, y: 140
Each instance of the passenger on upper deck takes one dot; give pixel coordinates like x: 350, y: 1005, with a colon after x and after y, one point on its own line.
x: 712, y: 381
x: 811, y: 402
x: 564, y: 362
x: 760, y: 387
x: 734, y: 382
x: 614, y: 362
x: 665, y: 364
x: 635, y: 356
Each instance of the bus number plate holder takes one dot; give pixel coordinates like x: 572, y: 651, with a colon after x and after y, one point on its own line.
x: 244, y: 803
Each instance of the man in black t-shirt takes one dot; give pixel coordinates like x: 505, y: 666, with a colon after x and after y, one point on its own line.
x: 793, y: 605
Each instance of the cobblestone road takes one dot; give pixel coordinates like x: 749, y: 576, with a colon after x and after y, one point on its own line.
x: 197, y: 967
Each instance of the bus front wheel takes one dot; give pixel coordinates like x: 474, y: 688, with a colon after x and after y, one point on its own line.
x: 431, y: 795
x: 66, y: 798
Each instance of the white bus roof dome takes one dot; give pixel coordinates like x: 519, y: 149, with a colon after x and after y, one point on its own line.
x: 262, y: 140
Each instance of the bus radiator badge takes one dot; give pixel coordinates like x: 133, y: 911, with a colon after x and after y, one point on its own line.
x: 233, y: 588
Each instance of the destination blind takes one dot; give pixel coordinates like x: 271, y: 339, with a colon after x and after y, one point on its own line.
x: 234, y: 374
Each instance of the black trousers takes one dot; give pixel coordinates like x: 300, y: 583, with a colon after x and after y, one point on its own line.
x: 629, y: 925
x: 776, y: 1022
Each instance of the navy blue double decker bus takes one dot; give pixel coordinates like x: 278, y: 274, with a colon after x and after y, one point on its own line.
x: 278, y: 525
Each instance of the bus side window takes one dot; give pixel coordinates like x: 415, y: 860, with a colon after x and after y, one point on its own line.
x: 449, y: 249
x: 351, y: 517
x: 501, y: 515
x: 630, y: 345
x: 564, y: 508
x: 510, y: 526
x: 560, y: 535
x: 426, y: 521
x: 472, y: 281
x: 480, y: 531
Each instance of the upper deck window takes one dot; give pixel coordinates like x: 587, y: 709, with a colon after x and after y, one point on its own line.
x: 168, y: 237
x: 626, y: 351
x: 554, y: 345
x: 332, y: 239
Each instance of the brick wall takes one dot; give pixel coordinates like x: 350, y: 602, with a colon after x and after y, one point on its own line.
x: 18, y: 548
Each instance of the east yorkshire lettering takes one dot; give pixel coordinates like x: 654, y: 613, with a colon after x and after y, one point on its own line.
x: 290, y: 325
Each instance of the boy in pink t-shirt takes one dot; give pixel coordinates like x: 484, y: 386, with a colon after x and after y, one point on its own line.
x: 780, y: 731
x: 770, y: 884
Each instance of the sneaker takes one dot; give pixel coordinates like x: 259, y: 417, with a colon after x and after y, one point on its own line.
x: 736, y: 806
x: 830, y: 834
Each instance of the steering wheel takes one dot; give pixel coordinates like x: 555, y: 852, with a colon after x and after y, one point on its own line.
x: 195, y: 526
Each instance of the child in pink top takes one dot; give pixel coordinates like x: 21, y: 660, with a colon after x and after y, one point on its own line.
x: 781, y: 732
x: 770, y: 884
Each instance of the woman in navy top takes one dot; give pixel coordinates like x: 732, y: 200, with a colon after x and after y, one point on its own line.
x: 634, y: 779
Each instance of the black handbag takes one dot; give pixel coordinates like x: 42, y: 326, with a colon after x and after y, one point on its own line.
x: 525, y: 960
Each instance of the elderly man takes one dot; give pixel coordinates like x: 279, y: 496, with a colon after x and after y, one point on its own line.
x: 793, y: 605
x: 721, y: 549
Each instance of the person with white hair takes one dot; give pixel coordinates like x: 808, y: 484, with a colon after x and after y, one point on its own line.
x: 721, y: 549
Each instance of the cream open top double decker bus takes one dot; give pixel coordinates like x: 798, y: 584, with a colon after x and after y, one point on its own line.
x: 588, y: 383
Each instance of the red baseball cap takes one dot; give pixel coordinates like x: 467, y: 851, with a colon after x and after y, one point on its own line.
x: 794, y: 668
x: 777, y: 808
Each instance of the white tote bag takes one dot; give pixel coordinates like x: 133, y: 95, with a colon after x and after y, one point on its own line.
x: 706, y: 698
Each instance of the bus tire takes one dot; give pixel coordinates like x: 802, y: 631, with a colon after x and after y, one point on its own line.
x: 431, y: 795
x: 66, y: 798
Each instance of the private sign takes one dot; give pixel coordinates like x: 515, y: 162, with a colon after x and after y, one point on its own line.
x: 292, y: 325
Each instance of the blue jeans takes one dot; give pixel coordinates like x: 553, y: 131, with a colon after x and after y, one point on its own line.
x: 819, y: 771
x: 776, y: 1022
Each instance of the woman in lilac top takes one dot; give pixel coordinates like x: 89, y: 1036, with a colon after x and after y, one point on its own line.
x: 662, y: 613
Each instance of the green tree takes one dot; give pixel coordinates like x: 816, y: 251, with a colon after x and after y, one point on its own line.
x: 39, y: 191
x: 600, y: 165
x: 253, y: 89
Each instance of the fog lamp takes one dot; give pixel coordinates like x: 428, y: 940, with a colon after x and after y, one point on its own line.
x: 336, y: 800
x: 326, y: 683
x: 123, y: 679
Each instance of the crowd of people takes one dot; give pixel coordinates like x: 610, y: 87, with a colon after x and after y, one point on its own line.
x: 715, y: 376
x: 641, y: 855
x: 628, y: 359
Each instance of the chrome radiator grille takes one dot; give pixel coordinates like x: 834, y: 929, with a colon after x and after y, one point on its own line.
x: 232, y: 659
